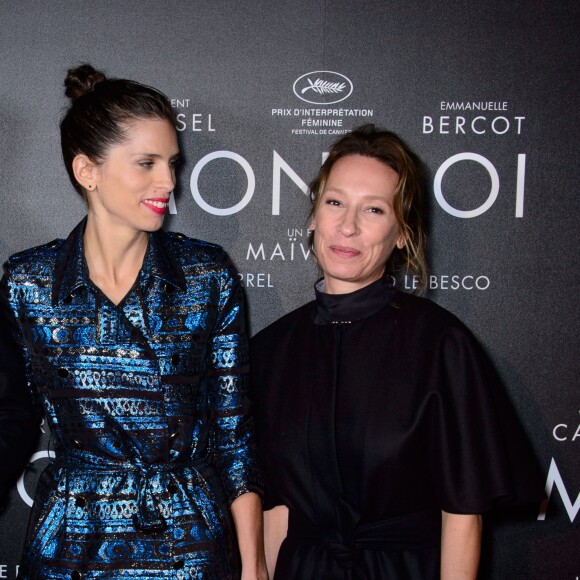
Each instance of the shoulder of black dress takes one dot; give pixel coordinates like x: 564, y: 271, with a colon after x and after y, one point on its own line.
x: 423, y: 310
x: 288, y: 323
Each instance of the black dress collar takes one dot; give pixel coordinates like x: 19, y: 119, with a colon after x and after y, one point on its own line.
x: 345, y: 308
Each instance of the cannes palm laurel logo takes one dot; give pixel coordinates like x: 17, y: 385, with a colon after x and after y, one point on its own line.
x: 323, y: 87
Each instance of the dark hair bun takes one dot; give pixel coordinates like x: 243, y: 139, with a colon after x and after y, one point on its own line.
x: 82, y: 80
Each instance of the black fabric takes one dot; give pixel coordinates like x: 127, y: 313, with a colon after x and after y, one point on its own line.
x: 393, y: 414
x: 338, y: 308
x: 342, y: 548
x: 19, y: 416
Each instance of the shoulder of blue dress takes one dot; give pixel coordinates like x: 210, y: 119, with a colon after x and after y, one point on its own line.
x: 187, y: 248
x: 34, y: 260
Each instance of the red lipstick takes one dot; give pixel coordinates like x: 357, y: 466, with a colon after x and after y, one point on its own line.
x: 157, y: 205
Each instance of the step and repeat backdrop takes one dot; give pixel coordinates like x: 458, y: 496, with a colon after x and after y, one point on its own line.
x: 485, y: 92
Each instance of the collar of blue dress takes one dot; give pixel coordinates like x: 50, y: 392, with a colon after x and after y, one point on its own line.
x: 71, y: 271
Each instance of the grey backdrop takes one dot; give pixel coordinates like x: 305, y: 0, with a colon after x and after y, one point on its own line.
x: 422, y: 69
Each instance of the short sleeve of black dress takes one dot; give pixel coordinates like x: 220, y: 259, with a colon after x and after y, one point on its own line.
x: 479, y: 456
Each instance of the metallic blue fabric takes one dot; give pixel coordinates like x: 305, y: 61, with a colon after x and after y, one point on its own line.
x: 147, y: 406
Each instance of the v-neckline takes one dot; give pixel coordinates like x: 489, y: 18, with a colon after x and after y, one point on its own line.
x: 131, y: 288
x: 125, y: 297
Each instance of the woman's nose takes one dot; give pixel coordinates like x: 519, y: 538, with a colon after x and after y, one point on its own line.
x: 349, y: 224
x: 166, y: 178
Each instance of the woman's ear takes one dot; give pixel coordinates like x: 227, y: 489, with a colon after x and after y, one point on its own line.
x: 85, y: 171
x: 401, y: 242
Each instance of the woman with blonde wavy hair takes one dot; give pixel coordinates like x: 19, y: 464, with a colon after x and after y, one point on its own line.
x: 382, y: 429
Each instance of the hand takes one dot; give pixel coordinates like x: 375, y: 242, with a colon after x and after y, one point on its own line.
x: 248, y: 519
x: 258, y: 574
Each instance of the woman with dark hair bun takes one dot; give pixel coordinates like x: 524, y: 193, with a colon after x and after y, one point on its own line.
x: 132, y: 342
x: 382, y: 429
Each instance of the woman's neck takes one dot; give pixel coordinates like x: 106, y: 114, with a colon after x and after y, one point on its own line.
x: 114, y: 256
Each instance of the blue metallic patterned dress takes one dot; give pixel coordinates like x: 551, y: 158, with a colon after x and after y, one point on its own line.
x: 147, y: 406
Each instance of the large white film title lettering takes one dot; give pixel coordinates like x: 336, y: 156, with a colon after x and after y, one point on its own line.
x: 494, y: 190
x: 554, y: 478
x: 280, y: 165
x: 246, y: 197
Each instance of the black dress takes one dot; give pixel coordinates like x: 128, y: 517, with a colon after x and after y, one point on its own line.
x: 375, y: 411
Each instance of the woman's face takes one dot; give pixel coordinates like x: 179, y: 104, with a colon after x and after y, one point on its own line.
x: 355, y: 227
x: 134, y: 182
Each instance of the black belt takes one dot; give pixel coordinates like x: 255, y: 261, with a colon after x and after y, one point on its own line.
x: 346, y: 542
